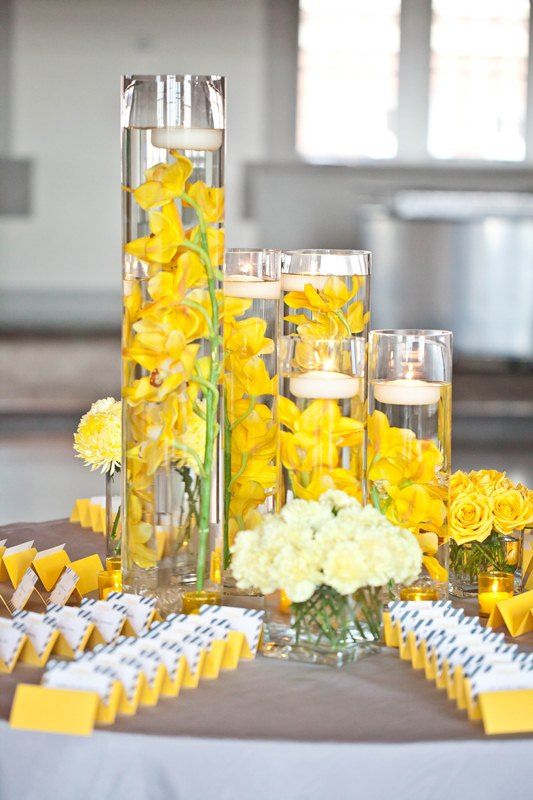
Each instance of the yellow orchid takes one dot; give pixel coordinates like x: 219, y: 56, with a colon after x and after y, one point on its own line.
x: 215, y: 243
x: 250, y: 377
x: 210, y: 199
x: 246, y: 339
x: 414, y: 507
x: 356, y: 317
x: 165, y: 238
x: 321, y: 480
x: 164, y: 182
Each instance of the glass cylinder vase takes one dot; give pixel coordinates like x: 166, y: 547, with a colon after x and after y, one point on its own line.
x: 326, y: 293
x: 113, y: 522
x: 322, y: 416
x: 409, y: 439
x: 252, y: 292
x: 172, y: 175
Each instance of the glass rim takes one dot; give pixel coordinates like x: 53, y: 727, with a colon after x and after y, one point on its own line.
x: 294, y: 337
x: 325, y: 252
x: 161, y: 75
x: 411, y: 332
x: 252, y: 250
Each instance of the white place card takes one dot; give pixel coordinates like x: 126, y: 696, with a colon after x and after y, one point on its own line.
x: 37, y: 629
x: 81, y: 677
x: 2, y: 542
x: 64, y: 587
x: 139, y: 610
x: 11, y: 634
x: 73, y: 623
x: 148, y: 657
x: 501, y: 679
x: 108, y: 619
x: 248, y: 621
x: 24, y: 591
x: 192, y: 644
x: 127, y: 669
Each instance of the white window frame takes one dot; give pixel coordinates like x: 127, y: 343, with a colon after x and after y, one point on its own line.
x: 413, y: 88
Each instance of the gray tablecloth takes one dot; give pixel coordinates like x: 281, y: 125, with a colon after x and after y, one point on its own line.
x: 373, y: 730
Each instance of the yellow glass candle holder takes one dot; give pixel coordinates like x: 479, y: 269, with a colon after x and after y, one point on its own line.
x: 492, y: 588
x: 109, y: 580
x: 193, y: 601
x: 284, y: 603
x: 113, y: 563
x: 427, y: 593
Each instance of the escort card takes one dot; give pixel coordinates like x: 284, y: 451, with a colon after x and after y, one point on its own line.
x: 17, y: 559
x: 64, y: 587
x: 127, y: 669
x: 12, y: 636
x: 80, y: 676
x: 74, y: 624
x: 248, y: 621
x: 24, y: 591
x: 39, y: 631
x: 108, y: 619
x: 140, y: 611
x: 49, y: 563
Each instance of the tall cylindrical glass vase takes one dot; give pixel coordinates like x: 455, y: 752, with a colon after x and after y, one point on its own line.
x: 409, y: 439
x: 252, y: 293
x: 322, y: 416
x: 173, y: 204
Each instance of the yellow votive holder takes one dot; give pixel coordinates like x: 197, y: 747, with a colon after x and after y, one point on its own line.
x: 109, y: 580
x: 113, y: 563
x: 419, y: 593
x: 193, y: 601
x: 493, y: 587
x: 284, y: 603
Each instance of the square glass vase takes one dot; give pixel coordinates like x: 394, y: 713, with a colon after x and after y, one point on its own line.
x: 329, y: 628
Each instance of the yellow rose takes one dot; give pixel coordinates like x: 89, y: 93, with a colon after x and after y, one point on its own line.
x: 471, y: 517
x: 459, y: 482
x: 512, y: 510
x: 489, y: 480
x: 528, y: 495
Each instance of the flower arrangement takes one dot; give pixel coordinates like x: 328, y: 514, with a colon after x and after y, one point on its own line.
x: 324, y: 554
x: 486, y: 511
x: 406, y: 483
x: 98, y: 437
x: 172, y: 336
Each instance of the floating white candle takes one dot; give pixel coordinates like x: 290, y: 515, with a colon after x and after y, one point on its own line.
x: 407, y: 392
x: 251, y: 286
x: 323, y: 385
x: 187, y: 138
x: 296, y: 283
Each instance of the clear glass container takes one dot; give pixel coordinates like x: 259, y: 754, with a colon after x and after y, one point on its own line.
x: 251, y: 329
x: 409, y: 439
x: 326, y: 293
x: 113, y: 522
x: 173, y: 208
x: 322, y: 416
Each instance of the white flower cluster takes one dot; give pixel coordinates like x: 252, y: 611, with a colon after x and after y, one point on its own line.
x: 333, y: 541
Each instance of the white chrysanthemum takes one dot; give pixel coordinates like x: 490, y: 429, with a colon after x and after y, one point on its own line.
x: 337, y: 500
x: 344, y: 569
x: 308, y: 513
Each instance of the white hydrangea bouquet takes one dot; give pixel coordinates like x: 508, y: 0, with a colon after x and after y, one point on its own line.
x: 332, y: 557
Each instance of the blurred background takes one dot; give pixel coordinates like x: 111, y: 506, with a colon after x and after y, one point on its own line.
x: 400, y: 126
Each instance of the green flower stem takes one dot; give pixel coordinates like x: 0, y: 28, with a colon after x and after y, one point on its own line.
x: 186, y: 449
x: 114, y: 531
x: 227, y: 491
x: 211, y: 394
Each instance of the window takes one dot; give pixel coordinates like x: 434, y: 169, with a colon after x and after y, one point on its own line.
x: 472, y: 102
x: 478, y: 89
x: 348, y: 79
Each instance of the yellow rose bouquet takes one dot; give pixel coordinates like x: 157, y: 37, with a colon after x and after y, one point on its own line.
x: 332, y: 557
x: 488, y: 513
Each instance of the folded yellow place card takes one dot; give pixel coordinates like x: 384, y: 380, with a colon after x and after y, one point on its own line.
x: 87, y: 677
x: 152, y: 666
x: 17, y: 559
x: 507, y: 712
x: 87, y: 569
x: 516, y: 613
x: 193, y: 648
x: 48, y: 564
x: 127, y: 670
x: 248, y: 621
x: 108, y: 620
x: 38, y: 708
x: 75, y: 627
x: 3, y: 571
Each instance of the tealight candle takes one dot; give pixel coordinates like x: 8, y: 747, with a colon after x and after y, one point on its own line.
x: 419, y: 593
x: 407, y: 392
x: 187, y: 138
x: 493, y: 587
x: 284, y: 602
x: 109, y: 581
x: 324, y: 385
x: 296, y: 283
x: 252, y: 287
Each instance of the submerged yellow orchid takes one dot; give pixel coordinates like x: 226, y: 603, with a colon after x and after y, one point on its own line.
x: 327, y: 319
x: 164, y: 182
